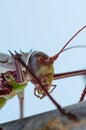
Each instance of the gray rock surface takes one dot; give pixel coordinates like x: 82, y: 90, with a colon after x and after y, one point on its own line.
x: 52, y: 120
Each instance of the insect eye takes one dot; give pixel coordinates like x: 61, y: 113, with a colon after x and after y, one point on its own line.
x: 40, y: 59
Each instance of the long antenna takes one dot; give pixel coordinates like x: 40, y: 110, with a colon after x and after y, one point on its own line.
x: 72, y: 38
x: 51, y: 59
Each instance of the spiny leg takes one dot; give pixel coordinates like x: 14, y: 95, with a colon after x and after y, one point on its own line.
x: 20, y: 78
x: 21, y: 94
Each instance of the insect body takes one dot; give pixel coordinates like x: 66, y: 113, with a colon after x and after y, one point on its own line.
x: 17, y: 70
x: 10, y: 84
x: 13, y: 81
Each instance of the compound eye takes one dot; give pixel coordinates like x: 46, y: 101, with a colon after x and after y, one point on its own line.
x: 40, y: 59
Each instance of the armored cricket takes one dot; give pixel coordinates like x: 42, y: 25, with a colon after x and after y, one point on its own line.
x: 16, y: 70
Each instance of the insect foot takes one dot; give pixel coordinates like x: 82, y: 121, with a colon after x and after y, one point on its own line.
x: 71, y: 116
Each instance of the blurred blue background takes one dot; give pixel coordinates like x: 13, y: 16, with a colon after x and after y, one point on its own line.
x: 44, y: 25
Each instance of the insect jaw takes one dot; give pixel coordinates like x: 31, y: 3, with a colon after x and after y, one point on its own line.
x: 46, y: 83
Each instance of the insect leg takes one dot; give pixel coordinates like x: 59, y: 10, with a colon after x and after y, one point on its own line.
x: 54, y: 86
x: 21, y: 102
x: 69, y: 74
x: 83, y: 94
x: 20, y: 78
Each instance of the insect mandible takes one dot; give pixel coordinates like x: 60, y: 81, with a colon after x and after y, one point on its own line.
x: 17, y: 70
